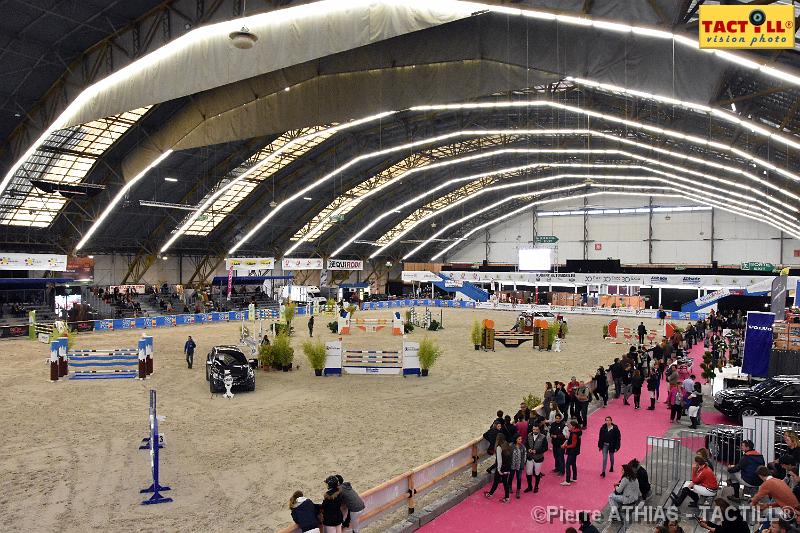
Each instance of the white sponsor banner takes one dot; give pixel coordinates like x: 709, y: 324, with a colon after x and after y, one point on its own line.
x: 33, y: 262
x: 566, y: 310
x: 345, y: 264
x: 419, y: 275
x: 299, y: 263
x: 250, y: 263
x: 453, y: 283
x: 711, y: 296
x: 559, y: 278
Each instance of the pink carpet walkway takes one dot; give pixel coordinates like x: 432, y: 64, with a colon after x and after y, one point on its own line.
x: 479, y: 514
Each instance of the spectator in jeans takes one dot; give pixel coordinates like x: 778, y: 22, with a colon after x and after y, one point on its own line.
x: 557, y: 438
x: 582, y: 398
x: 572, y: 449
x: 626, y: 491
x: 502, y: 471
x: 609, y: 442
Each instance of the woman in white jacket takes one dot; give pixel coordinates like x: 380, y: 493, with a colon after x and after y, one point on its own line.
x: 626, y: 491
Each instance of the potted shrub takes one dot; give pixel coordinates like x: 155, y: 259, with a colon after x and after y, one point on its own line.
x: 552, y: 333
x: 534, y: 403
x: 434, y: 325
x: 315, y: 353
x: 333, y: 326
x: 605, y: 331
x: 265, y: 356
x: 289, y: 311
x: 708, y: 370
x: 351, y: 309
x: 283, y: 352
x: 408, y: 327
x: 475, y: 334
x: 428, y: 353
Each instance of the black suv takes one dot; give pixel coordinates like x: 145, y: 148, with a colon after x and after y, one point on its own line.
x: 222, y: 359
x: 772, y: 397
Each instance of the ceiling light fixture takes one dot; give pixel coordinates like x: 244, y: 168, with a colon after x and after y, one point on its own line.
x: 174, y: 180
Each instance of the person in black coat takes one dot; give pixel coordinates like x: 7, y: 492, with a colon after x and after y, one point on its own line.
x: 636, y: 387
x: 305, y: 513
x: 608, y: 443
x: 641, y: 477
x: 653, y: 381
x: 616, y: 372
x: 642, y: 331
x: 601, y: 385
x: 332, y: 504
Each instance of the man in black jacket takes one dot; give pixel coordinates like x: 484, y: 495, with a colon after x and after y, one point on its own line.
x: 642, y: 331
x: 744, y: 472
x: 608, y: 443
x: 616, y: 374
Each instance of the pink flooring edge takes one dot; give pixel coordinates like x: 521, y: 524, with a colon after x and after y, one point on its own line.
x: 590, y: 493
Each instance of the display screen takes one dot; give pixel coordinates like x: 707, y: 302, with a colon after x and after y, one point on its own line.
x: 535, y: 259
x: 66, y: 302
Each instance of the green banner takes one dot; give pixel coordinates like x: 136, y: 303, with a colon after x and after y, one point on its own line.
x: 546, y: 239
x: 761, y: 267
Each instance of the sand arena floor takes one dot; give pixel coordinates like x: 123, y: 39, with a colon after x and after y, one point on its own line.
x: 69, y: 459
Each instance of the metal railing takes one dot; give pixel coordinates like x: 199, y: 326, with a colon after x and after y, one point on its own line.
x: 409, y: 486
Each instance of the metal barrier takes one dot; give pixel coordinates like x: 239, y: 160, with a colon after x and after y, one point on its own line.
x: 407, y: 487
x: 768, y: 433
x: 661, y: 462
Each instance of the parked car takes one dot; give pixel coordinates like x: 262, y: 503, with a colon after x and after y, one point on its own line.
x: 772, y: 397
x: 230, y: 359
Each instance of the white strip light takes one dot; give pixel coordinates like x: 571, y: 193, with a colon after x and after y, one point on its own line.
x: 792, y: 229
x: 545, y: 103
x: 681, y: 193
x: 286, y: 147
x: 330, y: 7
x: 611, y: 118
x: 613, y: 137
x: 527, y: 207
x: 119, y: 196
x: 585, y: 151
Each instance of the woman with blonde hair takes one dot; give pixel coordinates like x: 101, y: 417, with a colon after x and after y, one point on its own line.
x: 304, y: 512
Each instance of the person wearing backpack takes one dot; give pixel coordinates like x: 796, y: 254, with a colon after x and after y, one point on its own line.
x: 502, y: 471
x: 537, y: 445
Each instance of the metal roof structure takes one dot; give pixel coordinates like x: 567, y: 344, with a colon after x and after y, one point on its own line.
x: 393, y: 143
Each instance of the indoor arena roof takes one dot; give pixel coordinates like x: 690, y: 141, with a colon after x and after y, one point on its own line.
x: 374, y: 128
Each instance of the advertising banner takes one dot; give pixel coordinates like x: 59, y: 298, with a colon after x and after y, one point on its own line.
x: 345, y: 264
x: 757, y: 343
x: 33, y: 262
x: 249, y: 263
x: 79, y: 269
x: 778, y: 296
x: 298, y: 263
x: 230, y: 282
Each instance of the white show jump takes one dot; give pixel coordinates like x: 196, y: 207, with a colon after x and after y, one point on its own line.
x: 339, y: 360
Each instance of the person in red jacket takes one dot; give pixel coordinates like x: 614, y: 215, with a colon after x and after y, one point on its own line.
x: 573, y: 449
x: 703, y: 483
x: 778, y: 492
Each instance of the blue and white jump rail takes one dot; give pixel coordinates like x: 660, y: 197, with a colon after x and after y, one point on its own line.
x: 387, y: 362
x: 154, y: 442
x: 114, y: 363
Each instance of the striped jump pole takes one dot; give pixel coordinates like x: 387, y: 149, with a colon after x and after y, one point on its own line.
x: 114, y: 363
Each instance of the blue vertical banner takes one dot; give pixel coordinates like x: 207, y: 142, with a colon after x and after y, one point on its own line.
x: 757, y: 343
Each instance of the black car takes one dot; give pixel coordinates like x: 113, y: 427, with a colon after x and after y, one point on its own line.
x: 778, y: 396
x: 230, y: 359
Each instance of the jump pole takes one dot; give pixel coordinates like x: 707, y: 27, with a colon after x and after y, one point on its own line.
x: 154, y: 444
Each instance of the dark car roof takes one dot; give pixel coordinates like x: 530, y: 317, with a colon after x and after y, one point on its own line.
x: 794, y: 377
x: 228, y: 348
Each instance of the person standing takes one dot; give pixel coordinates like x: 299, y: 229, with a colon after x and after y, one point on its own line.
x: 616, y: 375
x: 675, y: 400
x: 636, y: 387
x: 518, y: 455
x: 332, y: 517
x: 601, y: 381
x: 353, y: 503
x: 653, y: 382
x: 311, y: 326
x: 502, y: 471
x: 695, y: 401
x: 557, y: 438
x: 572, y: 404
x: 582, y: 397
x: 561, y: 398
x: 573, y: 450
x: 547, y: 398
x: 537, y: 445
x: 627, y: 379
x: 642, y: 331
x: 609, y: 443
x: 188, y: 349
